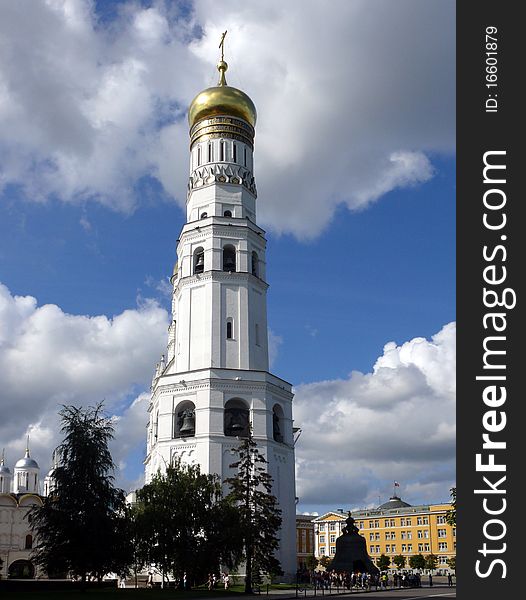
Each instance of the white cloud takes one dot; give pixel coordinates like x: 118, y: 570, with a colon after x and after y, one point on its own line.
x: 351, y: 100
x: 49, y: 358
x: 395, y: 423
x: 358, y: 434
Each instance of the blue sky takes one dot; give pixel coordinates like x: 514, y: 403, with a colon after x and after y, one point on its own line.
x: 355, y: 168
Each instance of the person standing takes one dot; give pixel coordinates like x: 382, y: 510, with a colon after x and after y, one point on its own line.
x: 430, y: 580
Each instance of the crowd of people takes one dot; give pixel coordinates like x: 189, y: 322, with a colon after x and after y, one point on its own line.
x: 361, y: 580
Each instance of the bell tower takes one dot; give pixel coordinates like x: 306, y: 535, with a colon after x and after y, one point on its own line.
x: 214, y: 381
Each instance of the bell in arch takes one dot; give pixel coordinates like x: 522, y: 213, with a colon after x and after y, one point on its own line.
x: 229, y: 260
x: 200, y: 263
x: 188, y: 422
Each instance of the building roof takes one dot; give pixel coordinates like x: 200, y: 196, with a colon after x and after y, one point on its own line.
x: 393, y: 502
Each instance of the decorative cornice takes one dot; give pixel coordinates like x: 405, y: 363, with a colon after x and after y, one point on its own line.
x: 220, y: 276
x: 222, y: 127
x: 222, y: 173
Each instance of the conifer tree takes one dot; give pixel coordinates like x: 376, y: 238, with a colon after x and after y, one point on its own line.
x: 78, y: 527
x: 259, y: 514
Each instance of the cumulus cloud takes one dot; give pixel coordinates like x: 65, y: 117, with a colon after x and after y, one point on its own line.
x: 49, y: 358
x: 395, y: 423
x: 352, y: 100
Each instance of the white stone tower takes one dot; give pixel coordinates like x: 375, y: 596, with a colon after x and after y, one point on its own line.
x: 215, y: 378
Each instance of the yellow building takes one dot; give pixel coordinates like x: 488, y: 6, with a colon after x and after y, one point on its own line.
x: 304, y: 540
x: 393, y: 528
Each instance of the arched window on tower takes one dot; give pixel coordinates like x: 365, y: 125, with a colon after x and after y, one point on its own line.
x: 234, y: 152
x: 277, y: 423
x: 210, y: 153
x: 156, y: 427
x: 199, y: 260
x: 184, y: 419
x: 237, y: 418
x: 229, y: 258
x: 227, y: 213
x: 204, y: 215
x: 221, y: 151
x: 229, y: 329
x: 255, y: 264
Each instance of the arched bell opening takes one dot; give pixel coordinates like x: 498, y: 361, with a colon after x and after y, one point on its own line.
x: 277, y: 423
x: 255, y: 264
x: 229, y: 258
x: 184, y: 419
x: 199, y: 260
x: 237, y: 418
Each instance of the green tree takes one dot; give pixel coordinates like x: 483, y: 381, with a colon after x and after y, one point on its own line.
x: 451, y: 514
x: 184, y: 525
x: 325, y: 562
x: 452, y: 563
x: 383, y: 562
x: 417, y: 561
x: 311, y: 562
x: 431, y: 561
x: 260, y: 517
x: 399, y: 560
x: 79, y: 524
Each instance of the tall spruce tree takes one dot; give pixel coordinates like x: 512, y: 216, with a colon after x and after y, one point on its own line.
x: 259, y: 514
x: 78, y: 527
x: 189, y: 527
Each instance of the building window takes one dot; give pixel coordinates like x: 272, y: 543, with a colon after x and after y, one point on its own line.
x: 257, y: 335
x: 199, y: 260
x: 371, y: 537
x: 227, y: 213
x: 199, y: 156
x: 210, y: 153
x: 29, y: 542
x: 221, y: 151
x: 322, y: 539
x: 408, y: 522
x: 442, y: 533
x: 442, y: 545
x: 441, y: 519
x: 403, y: 535
x: 404, y: 548
x: 229, y: 329
x: 410, y: 547
x: 420, y: 534
x: 376, y: 536
x: 204, y: 215
x: 236, y: 421
x: 245, y: 157
x: 229, y: 259
x: 332, y: 526
x: 332, y: 539
x: 234, y: 152
x: 333, y: 550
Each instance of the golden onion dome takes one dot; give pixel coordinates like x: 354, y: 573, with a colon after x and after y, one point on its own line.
x: 222, y: 100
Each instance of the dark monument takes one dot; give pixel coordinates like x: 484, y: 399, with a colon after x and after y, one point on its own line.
x: 351, y: 552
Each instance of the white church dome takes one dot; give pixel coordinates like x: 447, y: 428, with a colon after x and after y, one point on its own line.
x: 27, y: 463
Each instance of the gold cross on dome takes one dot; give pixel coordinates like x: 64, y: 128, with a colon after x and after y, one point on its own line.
x: 222, y: 45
